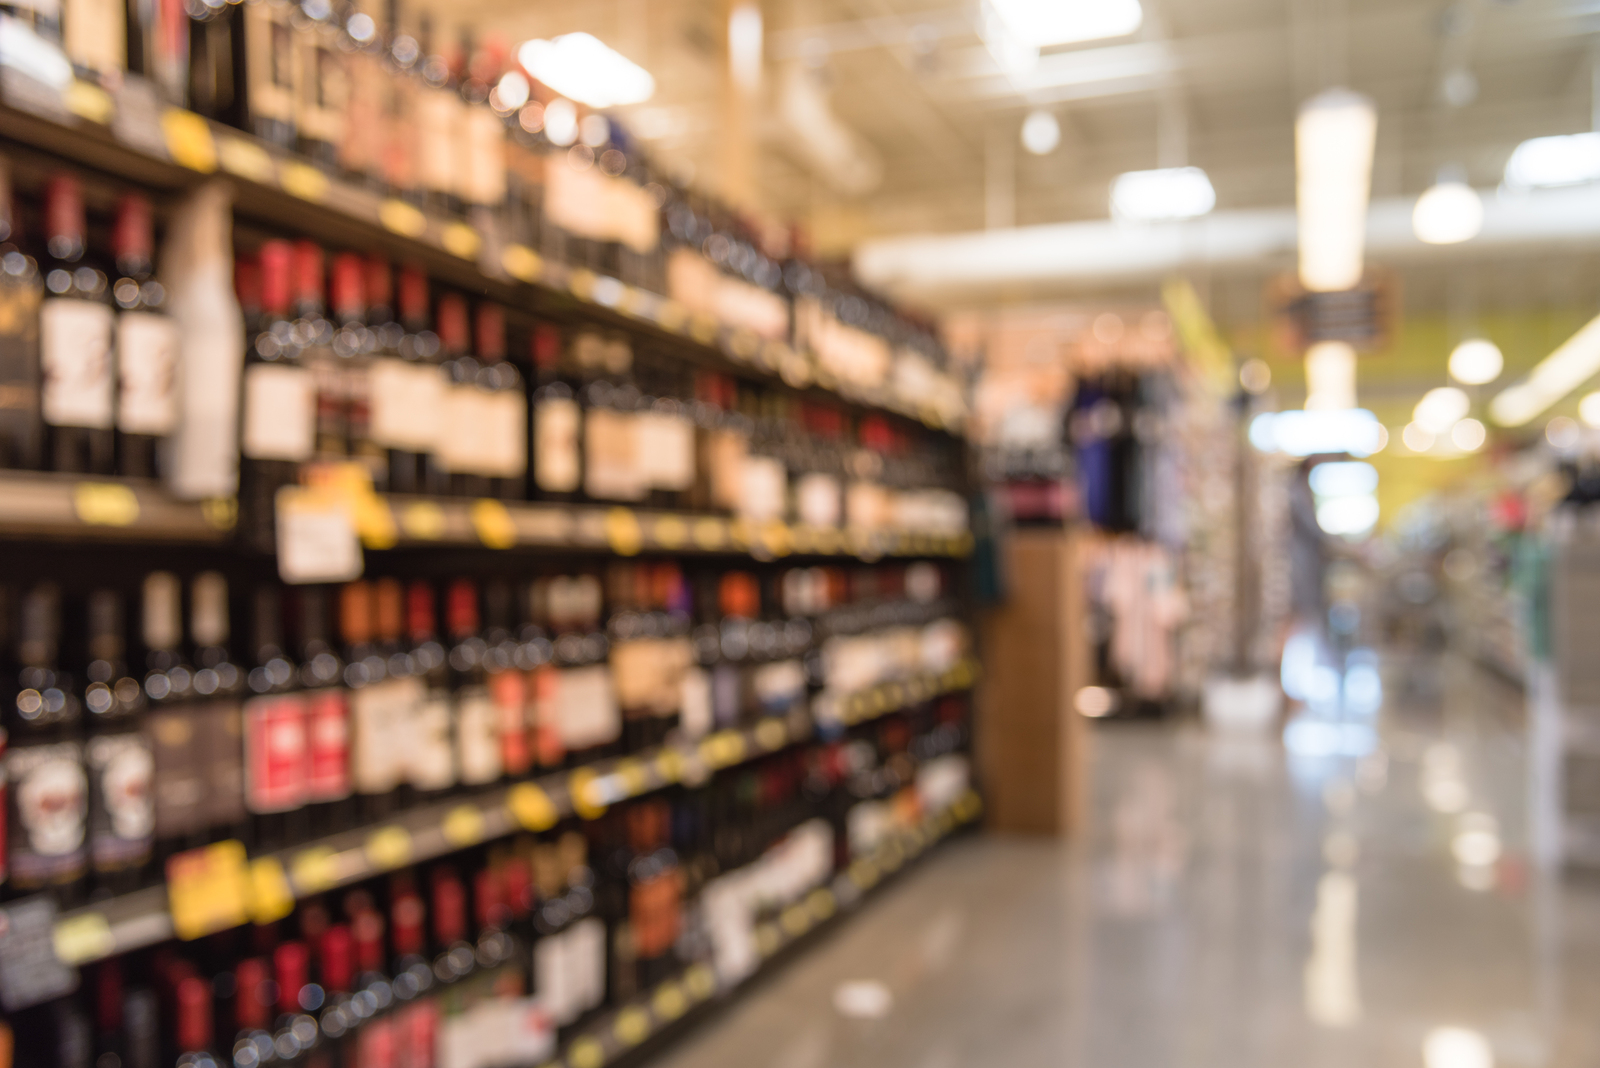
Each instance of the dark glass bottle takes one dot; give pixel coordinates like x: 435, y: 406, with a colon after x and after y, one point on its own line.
x: 75, y: 327
x: 505, y: 408
x: 327, y: 713
x: 478, y: 751
x: 557, y: 421
x: 275, y: 743
x: 21, y: 289
x: 147, y: 344
x: 117, y: 754
x: 432, y: 759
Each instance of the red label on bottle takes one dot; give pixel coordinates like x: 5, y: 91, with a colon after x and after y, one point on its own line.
x: 132, y: 238
x: 275, y: 753
x: 276, y: 257
x: 375, y: 1048
x: 545, y: 684
x: 63, y: 198
x: 509, y: 694
x: 419, y: 1027
x: 328, y: 741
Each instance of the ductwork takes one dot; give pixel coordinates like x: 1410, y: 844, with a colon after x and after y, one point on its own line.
x: 1102, y: 254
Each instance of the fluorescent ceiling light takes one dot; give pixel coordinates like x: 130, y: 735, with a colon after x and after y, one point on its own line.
x: 1043, y: 23
x: 1041, y: 133
x: 1476, y: 362
x: 1558, y: 374
x: 1334, y: 136
x: 1440, y: 409
x: 1164, y: 195
x: 1343, y: 479
x: 744, y: 46
x: 1297, y: 433
x: 1543, y: 162
x: 1448, y: 214
x: 582, y: 67
x: 1349, y: 516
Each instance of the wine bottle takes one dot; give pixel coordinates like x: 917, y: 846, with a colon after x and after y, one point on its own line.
x: 463, y: 432
x: 361, y: 140
x: 316, y: 334
x: 327, y: 730
x: 505, y: 408
x: 147, y: 344
x: 276, y: 749
x: 506, y: 680
x: 557, y: 421
x: 353, y: 345
x: 437, y: 116
x: 193, y: 1027
x: 321, y: 84
x: 94, y: 34
x: 477, y: 723
x: 75, y: 326
x: 47, y: 789
x: 21, y: 289
x: 117, y: 754
x: 405, y: 390
x: 432, y: 759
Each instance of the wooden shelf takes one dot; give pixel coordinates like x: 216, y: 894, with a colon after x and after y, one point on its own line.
x: 57, y: 506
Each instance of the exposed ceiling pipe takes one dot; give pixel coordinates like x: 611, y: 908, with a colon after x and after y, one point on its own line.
x: 1095, y: 255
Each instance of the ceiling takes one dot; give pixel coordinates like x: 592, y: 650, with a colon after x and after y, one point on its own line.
x: 1211, y: 83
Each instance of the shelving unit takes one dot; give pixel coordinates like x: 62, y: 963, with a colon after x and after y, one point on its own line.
x: 144, y: 918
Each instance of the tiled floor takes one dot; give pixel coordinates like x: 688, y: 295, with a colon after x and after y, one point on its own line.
x: 1236, y: 905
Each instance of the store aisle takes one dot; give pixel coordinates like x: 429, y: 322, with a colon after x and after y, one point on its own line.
x: 1237, y: 905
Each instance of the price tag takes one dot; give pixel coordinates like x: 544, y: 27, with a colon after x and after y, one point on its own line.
x: 189, y: 140
x: 422, y: 520
x: 727, y: 747
x: 389, y: 848
x: 864, y: 874
x: 137, y: 119
x: 105, y: 504
x: 317, y: 539
x: 670, y: 532
x: 586, y: 1053
x: 739, y: 533
x: 703, y: 328
x: 669, y: 1002
x: 623, y: 532
x: 709, y: 534
x: 493, y: 523
x: 672, y: 316
x: 581, y: 283
x: 532, y: 807
x: 401, y: 218
x: 302, y: 181
x: 220, y: 513
x: 207, y: 889
x: 632, y: 1026
x: 775, y: 536
x: 701, y: 981
x: 374, y: 521
x: 463, y: 826
x: 826, y: 539
x: 459, y: 239
x: 88, y: 101
x: 583, y: 789
x: 608, y: 291
x: 635, y: 777
x: 521, y: 262
x: 669, y: 765
x: 772, y: 733
x: 83, y: 938
x: 30, y: 970
x: 802, y: 540
x: 768, y: 939
x: 271, y: 898
x: 313, y: 870
x: 822, y: 903
x: 796, y: 920
x: 244, y: 158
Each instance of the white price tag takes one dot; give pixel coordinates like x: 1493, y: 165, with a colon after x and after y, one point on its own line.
x: 317, y: 539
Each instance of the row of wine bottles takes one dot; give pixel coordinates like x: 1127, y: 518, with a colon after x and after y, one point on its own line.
x: 112, y: 769
x: 489, y: 958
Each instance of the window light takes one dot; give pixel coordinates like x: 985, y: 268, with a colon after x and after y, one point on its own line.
x: 580, y: 66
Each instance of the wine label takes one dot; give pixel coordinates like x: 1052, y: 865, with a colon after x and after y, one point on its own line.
x: 95, y: 34
x: 403, y: 404
x: 463, y: 444
x: 477, y: 736
x: 122, y: 806
x: 30, y: 970
x: 766, y: 486
x: 49, y: 808
x: 611, y: 467
x: 551, y: 982
x: 147, y: 373
x: 320, y: 79
x: 276, y: 753
x: 178, y: 774
x: 694, y: 703
x: 505, y: 416
x: 431, y: 762
x: 328, y: 746
x: 483, y: 147
x: 544, y: 697
x: 589, y: 957
x: 380, y: 715
x: 818, y: 500
x: 220, y: 740
x: 361, y: 146
x: 666, y: 450
x: 589, y: 714
x: 75, y: 353
x: 279, y: 413
x: 509, y: 691
x: 779, y: 685
x: 726, y: 452
x: 866, y: 506
x: 437, y: 117
x: 555, y: 446
x: 269, y: 51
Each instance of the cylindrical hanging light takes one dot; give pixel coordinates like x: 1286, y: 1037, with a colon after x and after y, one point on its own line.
x: 1334, y: 137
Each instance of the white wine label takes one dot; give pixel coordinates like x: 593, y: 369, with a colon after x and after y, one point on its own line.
x: 589, y: 713
x: 483, y: 135
x: 75, y: 351
x: 611, y: 468
x: 666, y: 450
x: 726, y: 453
x: 280, y: 413
x: 818, y: 500
x: 147, y: 373
x: 478, y: 736
x: 437, y: 118
x: 49, y: 807
x: 555, y: 445
x: 379, y: 717
x: 506, y: 419
x: 551, y: 981
x: 766, y: 485
x: 404, y: 404
x: 431, y: 763
x: 463, y: 440
x: 95, y: 34
x: 695, y: 703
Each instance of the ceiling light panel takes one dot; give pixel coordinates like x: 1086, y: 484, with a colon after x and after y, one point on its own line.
x: 581, y: 66
x: 1045, y: 23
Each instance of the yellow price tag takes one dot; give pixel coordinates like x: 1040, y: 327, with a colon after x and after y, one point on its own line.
x: 220, y: 513
x: 670, y: 532
x: 709, y: 534
x: 463, y: 826
x: 206, y: 889
x: 623, y: 532
x: 739, y: 533
x: 772, y: 733
x: 586, y: 1053
x: 822, y: 903
x: 522, y: 263
x: 80, y: 939
x: 493, y: 523
x: 776, y: 538
x: 389, y: 848
x: 312, y: 870
x: 672, y: 316
x: 701, y: 981
x: 669, y: 765
x: 796, y: 920
x: 459, y: 239
x: 422, y: 520
x: 703, y: 328
x: 827, y: 540
x: 864, y: 874
x: 669, y: 1002
x: 374, y: 521
x: 802, y: 539
x: 88, y: 101
x: 105, y: 504
x: 189, y: 141
x: 585, y: 794
x: 581, y: 283
x: 401, y: 218
x: 632, y: 1026
x: 270, y: 896
x: 532, y: 807
x: 302, y: 181
x: 244, y: 158
x: 768, y: 939
x: 744, y: 344
x: 635, y: 777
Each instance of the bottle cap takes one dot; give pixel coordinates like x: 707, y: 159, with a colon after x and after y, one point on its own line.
x: 276, y: 270
x: 194, y: 1013
x: 349, y: 288
x: 290, y: 961
x: 407, y: 916
x: 133, y: 240
x: 491, y: 331
x: 452, y: 318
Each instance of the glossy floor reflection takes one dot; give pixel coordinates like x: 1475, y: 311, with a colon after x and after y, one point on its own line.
x: 1236, y: 905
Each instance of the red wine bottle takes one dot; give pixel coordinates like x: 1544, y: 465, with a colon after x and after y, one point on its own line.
x: 75, y: 327
x: 147, y: 344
